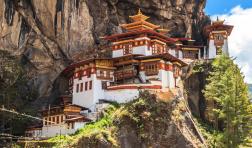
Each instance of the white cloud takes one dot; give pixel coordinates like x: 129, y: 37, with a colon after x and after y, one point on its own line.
x: 240, y: 41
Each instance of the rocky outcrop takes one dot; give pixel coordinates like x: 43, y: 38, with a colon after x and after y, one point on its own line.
x: 195, y: 80
x: 148, y: 121
x: 49, y: 34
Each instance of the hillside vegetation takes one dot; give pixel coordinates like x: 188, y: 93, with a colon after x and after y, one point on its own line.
x: 227, y: 118
x: 144, y: 122
x: 14, y: 94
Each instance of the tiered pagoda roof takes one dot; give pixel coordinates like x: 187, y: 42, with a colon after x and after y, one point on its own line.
x: 218, y: 25
x: 139, y: 23
x: 139, y: 28
x: 133, y: 34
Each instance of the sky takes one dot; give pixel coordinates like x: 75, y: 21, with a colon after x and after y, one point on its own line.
x: 239, y: 14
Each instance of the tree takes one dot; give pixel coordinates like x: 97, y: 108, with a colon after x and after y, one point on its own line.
x: 228, y: 94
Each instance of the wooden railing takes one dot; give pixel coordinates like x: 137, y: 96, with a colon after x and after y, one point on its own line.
x: 119, y: 75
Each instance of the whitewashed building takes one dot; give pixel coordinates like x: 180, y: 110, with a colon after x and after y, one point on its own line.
x: 143, y: 58
x: 217, y: 34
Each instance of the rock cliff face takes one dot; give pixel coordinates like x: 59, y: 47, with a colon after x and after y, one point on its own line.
x: 47, y: 35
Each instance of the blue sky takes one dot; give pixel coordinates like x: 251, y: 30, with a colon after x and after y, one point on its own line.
x: 239, y: 14
x: 224, y: 6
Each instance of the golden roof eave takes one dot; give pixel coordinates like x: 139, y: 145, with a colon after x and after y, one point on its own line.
x: 138, y: 24
x: 139, y: 16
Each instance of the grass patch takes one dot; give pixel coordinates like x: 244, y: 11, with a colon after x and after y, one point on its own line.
x: 100, y: 130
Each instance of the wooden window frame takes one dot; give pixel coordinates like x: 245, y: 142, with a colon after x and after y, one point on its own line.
x: 80, y: 75
x: 151, y: 68
x: 86, y: 86
x: 104, y: 85
x: 77, y: 88
x: 45, y: 120
x: 61, y: 118
x: 81, y: 87
x: 57, y: 119
x: 53, y: 120
x: 49, y: 119
x: 127, y: 49
x: 90, y: 85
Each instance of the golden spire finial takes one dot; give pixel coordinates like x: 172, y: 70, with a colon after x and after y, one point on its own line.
x: 139, y: 11
x: 139, y: 16
x: 218, y: 21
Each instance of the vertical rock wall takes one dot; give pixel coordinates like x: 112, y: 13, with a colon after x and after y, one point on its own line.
x: 48, y: 34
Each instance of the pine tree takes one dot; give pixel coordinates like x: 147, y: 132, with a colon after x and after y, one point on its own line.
x: 229, y: 97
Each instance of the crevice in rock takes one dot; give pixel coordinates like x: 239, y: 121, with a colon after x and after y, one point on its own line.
x: 36, y: 26
x: 9, y: 11
x: 59, y: 9
x: 25, y: 28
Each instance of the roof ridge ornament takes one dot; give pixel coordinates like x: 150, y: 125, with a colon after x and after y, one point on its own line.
x: 139, y: 11
x: 218, y: 21
x: 139, y: 16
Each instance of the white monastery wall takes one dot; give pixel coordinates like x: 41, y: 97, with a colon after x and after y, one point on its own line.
x: 142, y: 76
x: 225, y: 47
x: 171, y: 81
x: 117, y: 53
x: 35, y: 133
x: 211, y: 50
x: 53, y: 130
x: 86, y: 97
x: 78, y: 125
x: 121, y: 96
x: 141, y: 50
x: 167, y: 79
x: 164, y: 78
x: 98, y: 92
x: 172, y: 52
x: 180, y: 55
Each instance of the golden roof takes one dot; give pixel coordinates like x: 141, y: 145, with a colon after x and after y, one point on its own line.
x: 139, y: 16
x: 139, y: 23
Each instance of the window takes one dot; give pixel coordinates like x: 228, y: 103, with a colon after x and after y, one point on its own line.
x: 49, y: 121
x: 127, y: 49
x: 219, y: 37
x: 77, y: 88
x: 104, y: 85
x: 86, y: 85
x: 61, y: 118
x: 45, y: 121
x: 81, y: 87
x: 57, y: 119
x: 79, y: 76
x: 151, y: 68
x: 88, y: 73
x: 90, y: 85
x: 154, y: 51
x: 101, y: 73
x: 53, y: 120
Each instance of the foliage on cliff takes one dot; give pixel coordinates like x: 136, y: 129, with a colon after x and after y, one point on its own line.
x: 143, y: 122
x: 14, y: 93
x: 228, y: 104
